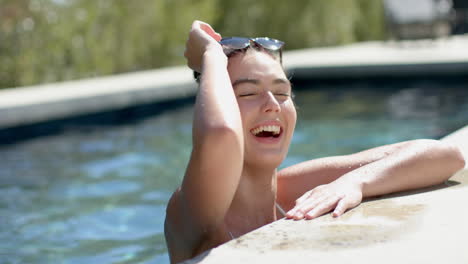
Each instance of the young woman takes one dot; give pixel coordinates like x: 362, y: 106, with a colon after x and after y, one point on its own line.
x: 243, y: 123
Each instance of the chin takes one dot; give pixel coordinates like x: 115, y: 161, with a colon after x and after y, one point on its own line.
x: 265, y: 159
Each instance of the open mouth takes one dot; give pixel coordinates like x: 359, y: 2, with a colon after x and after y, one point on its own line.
x: 272, y: 131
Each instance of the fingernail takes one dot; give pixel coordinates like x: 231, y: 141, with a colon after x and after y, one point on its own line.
x: 299, y: 215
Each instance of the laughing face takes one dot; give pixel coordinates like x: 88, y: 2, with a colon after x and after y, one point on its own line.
x: 268, y: 114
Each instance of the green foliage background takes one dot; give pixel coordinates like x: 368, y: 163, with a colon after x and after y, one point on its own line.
x: 55, y: 40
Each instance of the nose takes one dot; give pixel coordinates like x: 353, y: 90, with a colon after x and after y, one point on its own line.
x: 271, y: 104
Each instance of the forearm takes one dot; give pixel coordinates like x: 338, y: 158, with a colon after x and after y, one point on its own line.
x: 414, y: 164
x: 216, y: 108
x: 420, y: 164
x: 217, y: 127
x: 308, y: 174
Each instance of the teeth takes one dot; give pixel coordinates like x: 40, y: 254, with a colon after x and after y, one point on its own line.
x: 274, y: 129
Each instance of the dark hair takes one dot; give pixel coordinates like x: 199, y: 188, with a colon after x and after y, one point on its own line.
x: 196, y: 76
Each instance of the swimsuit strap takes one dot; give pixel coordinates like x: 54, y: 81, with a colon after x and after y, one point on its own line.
x: 280, y: 209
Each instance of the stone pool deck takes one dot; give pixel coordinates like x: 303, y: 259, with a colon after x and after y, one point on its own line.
x: 35, y: 104
x: 426, y: 226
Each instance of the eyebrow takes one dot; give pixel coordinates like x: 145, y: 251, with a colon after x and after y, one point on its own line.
x: 256, y: 81
x: 244, y: 80
x: 282, y: 80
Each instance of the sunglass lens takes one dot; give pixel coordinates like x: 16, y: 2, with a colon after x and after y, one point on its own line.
x: 268, y: 43
x: 235, y: 42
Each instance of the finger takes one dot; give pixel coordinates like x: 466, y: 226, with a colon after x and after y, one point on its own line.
x: 196, y: 24
x: 291, y: 212
x: 340, y: 208
x: 322, y: 208
x: 303, y: 197
x: 206, y: 28
x: 344, y: 204
x: 299, y: 203
x: 210, y: 31
x: 199, y: 27
x: 309, y: 200
x: 307, y: 206
x: 217, y: 36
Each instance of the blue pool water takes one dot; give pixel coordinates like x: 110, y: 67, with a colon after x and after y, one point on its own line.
x: 97, y: 194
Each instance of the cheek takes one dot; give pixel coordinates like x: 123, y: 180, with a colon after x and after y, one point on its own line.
x: 246, y: 110
x: 290, y: 113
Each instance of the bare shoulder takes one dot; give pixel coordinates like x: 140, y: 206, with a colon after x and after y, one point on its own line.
x: 182, y: 243
x: 173, y: 230
x: 172, y: 211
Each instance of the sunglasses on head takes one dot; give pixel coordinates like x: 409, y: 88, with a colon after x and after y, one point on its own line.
x: 233, y: 44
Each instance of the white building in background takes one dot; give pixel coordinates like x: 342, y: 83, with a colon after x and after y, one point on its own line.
x: 416, y: 19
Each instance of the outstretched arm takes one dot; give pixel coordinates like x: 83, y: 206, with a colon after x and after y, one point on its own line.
x: 397, y: 167
x: 215, y: 165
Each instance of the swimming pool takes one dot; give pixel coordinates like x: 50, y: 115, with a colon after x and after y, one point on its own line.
x: 97, y: 194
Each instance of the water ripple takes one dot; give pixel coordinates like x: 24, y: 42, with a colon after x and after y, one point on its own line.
x: 93, y: 190
x: 127, y: 164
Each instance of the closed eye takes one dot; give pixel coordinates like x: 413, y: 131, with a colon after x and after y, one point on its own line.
x: 282, y: 96
x: 246, y: 95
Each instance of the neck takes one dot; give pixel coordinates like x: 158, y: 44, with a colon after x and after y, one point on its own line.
x: 253, y: 205
x: 262, y: 179
x: 256, y: 190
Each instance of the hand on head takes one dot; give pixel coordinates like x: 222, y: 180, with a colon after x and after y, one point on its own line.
x: 201, y: 38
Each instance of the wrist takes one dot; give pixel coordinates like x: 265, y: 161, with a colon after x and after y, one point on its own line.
x: 355, y: 179
x: 214, y: 54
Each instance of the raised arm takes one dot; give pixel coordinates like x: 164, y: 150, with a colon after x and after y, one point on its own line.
x: 397, y: 167
x: 215, y: 165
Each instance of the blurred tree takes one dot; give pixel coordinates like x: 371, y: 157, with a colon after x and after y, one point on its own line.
x: 54, y: 40
x: 304, y: 23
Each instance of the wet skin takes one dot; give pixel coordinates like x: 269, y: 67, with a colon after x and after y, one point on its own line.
x: 243, y: 123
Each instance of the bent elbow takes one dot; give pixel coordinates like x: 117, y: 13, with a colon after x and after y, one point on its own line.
x: 219, y: 133
x: 222, y: 128
x: 223, y: 131
x: 458, y: 157
x: 447, y: 156
x: 453, y: 155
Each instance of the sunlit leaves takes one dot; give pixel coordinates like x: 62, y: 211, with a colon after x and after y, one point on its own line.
x: 55, y: 40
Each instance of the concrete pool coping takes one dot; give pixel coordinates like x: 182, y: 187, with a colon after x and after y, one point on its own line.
x: 424, y: 226
x: 40, y: 103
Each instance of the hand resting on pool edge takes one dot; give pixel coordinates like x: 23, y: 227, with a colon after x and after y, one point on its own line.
x: 343, y: 181
x: 244, y: 118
